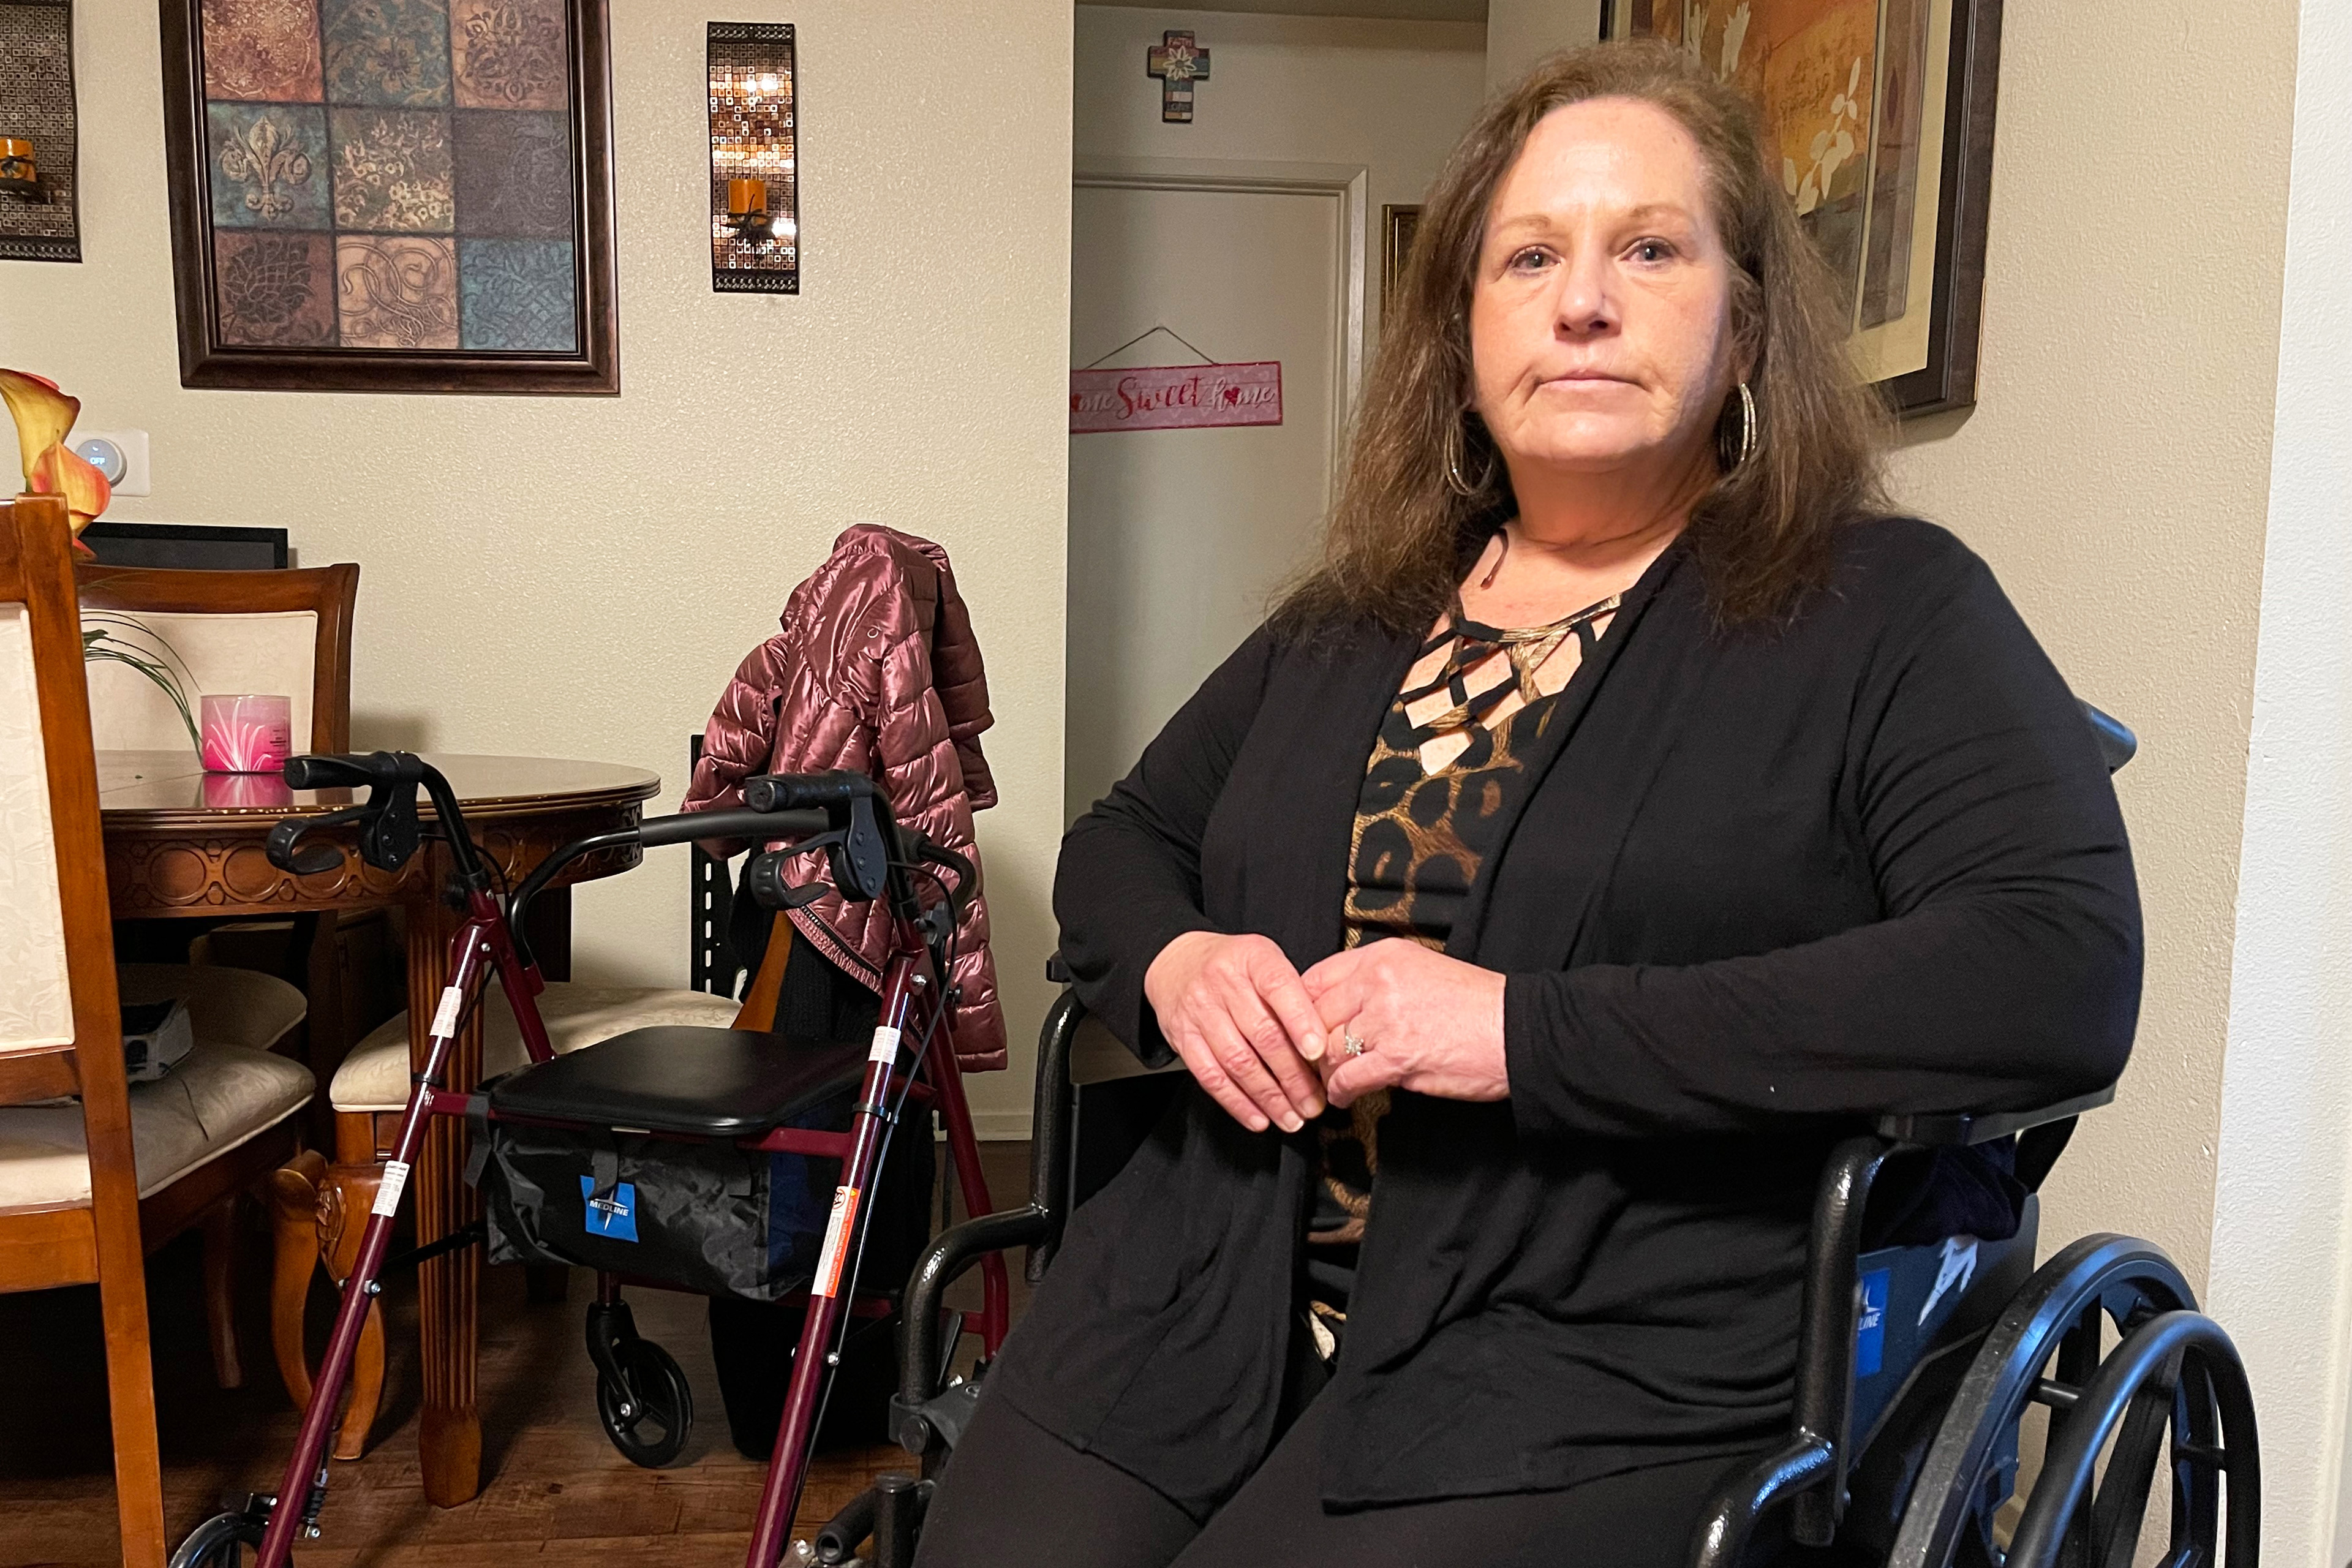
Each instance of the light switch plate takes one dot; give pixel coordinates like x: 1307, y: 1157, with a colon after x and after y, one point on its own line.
x: 132, y: 444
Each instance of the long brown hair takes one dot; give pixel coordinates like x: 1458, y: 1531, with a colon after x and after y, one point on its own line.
x: 1400, y: 535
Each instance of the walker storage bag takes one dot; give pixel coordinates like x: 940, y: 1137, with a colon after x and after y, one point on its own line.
x: 706, y: 1216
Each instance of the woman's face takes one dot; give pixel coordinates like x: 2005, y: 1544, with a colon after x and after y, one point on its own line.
x: 1601, y: 325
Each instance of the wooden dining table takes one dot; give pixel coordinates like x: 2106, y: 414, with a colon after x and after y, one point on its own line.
x: 183, y: 842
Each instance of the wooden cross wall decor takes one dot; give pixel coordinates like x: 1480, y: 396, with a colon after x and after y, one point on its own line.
x: 1177, y: 62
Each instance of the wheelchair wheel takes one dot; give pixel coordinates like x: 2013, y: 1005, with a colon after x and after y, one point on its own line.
x: 649, y: 1411
x: 2171, y: 1371
x: 224, y: 1541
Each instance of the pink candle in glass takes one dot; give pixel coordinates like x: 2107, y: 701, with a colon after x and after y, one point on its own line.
x: 246, y: 734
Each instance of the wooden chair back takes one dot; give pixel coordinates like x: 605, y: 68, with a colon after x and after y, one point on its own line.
x: 285, y: 633
x: 761, y: 997
x: 60, y: 1024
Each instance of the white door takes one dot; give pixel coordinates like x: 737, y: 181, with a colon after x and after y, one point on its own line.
x: 1178, y: 537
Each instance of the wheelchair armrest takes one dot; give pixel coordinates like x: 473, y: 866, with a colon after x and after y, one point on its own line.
x: 951, y: 1252
x: 1729, y: 1526
x: 1930, y: 1131
x: 1037, y: 1225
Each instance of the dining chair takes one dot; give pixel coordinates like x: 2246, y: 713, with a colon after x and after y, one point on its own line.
x: 94, y: 1174
x: 287, y: 632
x: 284, y: 632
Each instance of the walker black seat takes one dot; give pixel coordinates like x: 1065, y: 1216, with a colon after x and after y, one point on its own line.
x: 686, y: 1082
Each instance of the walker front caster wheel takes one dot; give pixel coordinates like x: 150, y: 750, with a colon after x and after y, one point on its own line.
x: 648, y: 1411
x: 224, y: 1541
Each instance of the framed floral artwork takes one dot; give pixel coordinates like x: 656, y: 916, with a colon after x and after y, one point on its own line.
x: 1878, y: 115
x: 392, y: 195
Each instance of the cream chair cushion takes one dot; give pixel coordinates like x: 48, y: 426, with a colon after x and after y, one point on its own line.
x: 228, y: 1007
x: 219, y: 1097
x: 274, y: 653
x: 375, y: 1076
x: 35, y: 1001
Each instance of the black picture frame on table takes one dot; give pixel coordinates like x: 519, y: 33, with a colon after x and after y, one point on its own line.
x: 181, y: 546
x: 1948, y: 381
x: 593, y: 369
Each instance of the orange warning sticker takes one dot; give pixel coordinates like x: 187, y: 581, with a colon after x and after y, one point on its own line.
x: 836, y: 1243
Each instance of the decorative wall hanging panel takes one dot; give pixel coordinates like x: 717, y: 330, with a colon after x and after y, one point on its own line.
x: 40, y: 214
x: 1175, y: 398
x: 755, y: 230
x: 1178, y: 61
x: 1879, y: 116
x: 392, y: 195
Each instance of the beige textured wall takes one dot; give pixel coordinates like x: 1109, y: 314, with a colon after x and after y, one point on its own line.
x: 1521, y: 32
x: 2116, y: 473
x: 1392, y: 96
x: 575, y: 577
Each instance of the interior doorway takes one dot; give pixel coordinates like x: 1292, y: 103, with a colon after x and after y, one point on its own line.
x: 1178, y: 537
x: 1250, y: 224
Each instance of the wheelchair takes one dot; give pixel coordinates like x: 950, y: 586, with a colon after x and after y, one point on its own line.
x: 714, y: 1113
x: 1915, y: 1369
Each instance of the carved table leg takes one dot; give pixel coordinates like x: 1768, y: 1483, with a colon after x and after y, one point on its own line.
x: 449, y: 1434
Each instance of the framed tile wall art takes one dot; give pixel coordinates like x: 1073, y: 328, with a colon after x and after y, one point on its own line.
x: 1879, y: 115
x: 40, y: 214
x: 392, y: 195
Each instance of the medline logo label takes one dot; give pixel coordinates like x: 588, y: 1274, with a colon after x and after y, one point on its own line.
x: 1870, y: 1328
x: 613, y: 1215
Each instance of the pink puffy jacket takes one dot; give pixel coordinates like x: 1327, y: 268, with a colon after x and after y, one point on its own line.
x: 876, y: 669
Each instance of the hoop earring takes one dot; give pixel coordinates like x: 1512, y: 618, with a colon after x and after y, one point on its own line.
x: 1734, y: 459
x: 1453, y: 479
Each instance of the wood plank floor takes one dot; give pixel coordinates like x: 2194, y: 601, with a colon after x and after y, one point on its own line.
x: 554, y: 1489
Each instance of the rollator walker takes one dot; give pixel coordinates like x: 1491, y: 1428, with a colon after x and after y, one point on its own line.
x: 719, y: 1092
x: 1915, y: 1368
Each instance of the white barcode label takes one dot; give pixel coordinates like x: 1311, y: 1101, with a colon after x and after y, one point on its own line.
x: 886, y: 1046
x: 387, y: 1194
x: 836, y: 1243
x: 444, y: 1016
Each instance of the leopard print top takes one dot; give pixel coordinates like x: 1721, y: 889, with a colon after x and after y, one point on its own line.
x: 1420, y: 833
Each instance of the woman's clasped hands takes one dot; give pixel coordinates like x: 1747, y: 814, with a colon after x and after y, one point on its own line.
x: 1273, y: 1047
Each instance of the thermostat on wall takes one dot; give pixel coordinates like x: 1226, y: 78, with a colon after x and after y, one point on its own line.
x: 120, y: 455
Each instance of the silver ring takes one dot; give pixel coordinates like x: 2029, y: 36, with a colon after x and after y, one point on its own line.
x: 1352, y: 1046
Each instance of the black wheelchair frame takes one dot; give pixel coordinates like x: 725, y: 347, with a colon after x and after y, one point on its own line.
x: 1910, y: 1461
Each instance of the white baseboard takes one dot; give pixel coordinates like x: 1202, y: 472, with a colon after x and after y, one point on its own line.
x: 1000, y: 1126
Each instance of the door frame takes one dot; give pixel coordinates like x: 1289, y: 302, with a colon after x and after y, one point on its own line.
x: 1348, y: 183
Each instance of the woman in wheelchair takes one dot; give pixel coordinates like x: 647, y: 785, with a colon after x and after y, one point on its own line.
x: 1628, y: 806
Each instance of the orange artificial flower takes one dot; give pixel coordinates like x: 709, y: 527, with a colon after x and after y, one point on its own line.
x: 59, y: 472
x: 43, y: 417
x: 42, y: 413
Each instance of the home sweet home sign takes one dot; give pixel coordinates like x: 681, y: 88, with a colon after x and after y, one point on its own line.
x: 1176, y: 397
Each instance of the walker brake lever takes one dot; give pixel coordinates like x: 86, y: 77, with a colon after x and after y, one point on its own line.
x: 286, y: 850
x: 767, y: 882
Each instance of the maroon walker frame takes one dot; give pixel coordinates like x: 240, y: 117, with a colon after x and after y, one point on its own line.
x: 916, y: 996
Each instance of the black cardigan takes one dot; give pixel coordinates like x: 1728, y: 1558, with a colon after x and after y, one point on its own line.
x: 1767, y: 882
